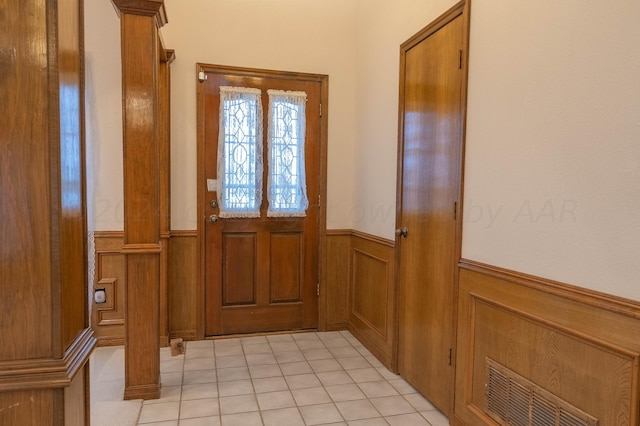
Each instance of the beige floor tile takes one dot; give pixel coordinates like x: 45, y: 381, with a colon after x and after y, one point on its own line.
x: 282, y: 417
x: 402, y: 386
x: 293, y: 368
x: 305, y: 336
x: 253, y: 340
x: 377, y: 389
x: 199, y: 376
x: 320, y: 414
x: 234, y: 373
x: 354, y: 362
x: 274, y: 400
x: 172, y: 365
x: 199, y: 391
x: 269, y: 384
x: 407, y: 420
x: 311, y: 396
x: 159, y: 412
x: 392, y: 405
x: 419, y: 402
x: 171, y: 378
x: 344, y: 352
x: 242, y: 419
x: 201, y: 421
x: 361, y: 375
x: 229, y: 350
x: 261, y: 359
x: 279, y: 338
x: 378, y: 421
x: 336, y: 342
x: 303, y: 381
x: 328, y: 335
x: 193, y: 353
x: 199, y: 408
x: 435, y: 418
x: 314, y: 354
x: 262, y: 371
x: 357, y: 410
x: 329, y: 378
x: 323, y: 365
x: 199, y: 364
x: 278, y: 347
x: 293, y: 356
x: 387, y: 374
x: 373, y: 361
x: 257, y: 348
x: 167, y: 394
x: 230, y: 361
x: 348, y: 392
x: 235, y: 387
x: 306, y: 345
x: 199, y: 344
x: 238, y: 404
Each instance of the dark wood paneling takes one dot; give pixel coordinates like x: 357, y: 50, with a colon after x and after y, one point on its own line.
x: 334, y: 291
x: 107, y: 319
x: 239, y: 269
x: 286, y: 260
x: 582, y: 346
x: 183, y: 285
x: 373, y: 295
x: 44, y: 329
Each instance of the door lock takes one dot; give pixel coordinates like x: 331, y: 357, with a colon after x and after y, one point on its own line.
x: 213, y: 203
x: 402, y: 232
x: 213, y: 218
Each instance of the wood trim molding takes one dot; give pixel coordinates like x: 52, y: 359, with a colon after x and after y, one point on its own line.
x: 580, y: 345
x: 108, y: 234
x: 153, y: 8
x: 593, y: 298
x: 48, y: 373
x: 373, y: 238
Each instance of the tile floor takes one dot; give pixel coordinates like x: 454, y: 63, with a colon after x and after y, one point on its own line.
x: 282, y: 379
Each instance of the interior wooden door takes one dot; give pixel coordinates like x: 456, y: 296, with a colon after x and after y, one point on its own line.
x: 431, y: 112
x: 261, y: 273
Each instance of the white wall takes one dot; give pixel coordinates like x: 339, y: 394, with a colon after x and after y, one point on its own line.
x: 552, y: 180
x: 291, y: 35
x: 552, y: 183
x: 103, y: 74
x: 382, y: 27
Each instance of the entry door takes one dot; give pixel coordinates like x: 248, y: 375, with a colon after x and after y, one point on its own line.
x: 261, y: 271
x: 429, y: 189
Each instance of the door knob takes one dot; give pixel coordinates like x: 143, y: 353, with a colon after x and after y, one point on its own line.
x: 402, y: 232
x: 213, y: 218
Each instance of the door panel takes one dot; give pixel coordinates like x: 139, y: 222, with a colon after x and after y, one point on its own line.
x: 431, y: 140
x: 260, y: 274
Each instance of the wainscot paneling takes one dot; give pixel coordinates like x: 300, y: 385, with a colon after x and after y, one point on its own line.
x: 334, y: 297
x: 372, y: 298
x: 183, y: 285
x: 107, y: 318
x: 581, y: 346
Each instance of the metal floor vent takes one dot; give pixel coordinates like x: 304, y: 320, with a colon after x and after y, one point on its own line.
x: 515, y: 401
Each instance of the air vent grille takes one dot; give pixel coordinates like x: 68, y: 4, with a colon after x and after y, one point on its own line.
x: 515, y: 401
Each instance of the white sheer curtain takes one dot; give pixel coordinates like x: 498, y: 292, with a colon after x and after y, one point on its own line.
x: 240, y: 152
x: 286, y: 182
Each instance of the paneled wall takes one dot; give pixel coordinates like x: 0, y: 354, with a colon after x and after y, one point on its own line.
x: 373, y: 294
x: 581, y: 346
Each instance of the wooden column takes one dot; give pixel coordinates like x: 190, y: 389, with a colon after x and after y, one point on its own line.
x: 45, y: 338
x: 139, y: 23
x: 167, y: 56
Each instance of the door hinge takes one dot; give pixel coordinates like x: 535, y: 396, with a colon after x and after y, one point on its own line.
x: 318, y: 289
x: 320, y: 110
x: 202, y: 76
x: 460, y: 59
x: 450, y: 352
x: 455, y: 210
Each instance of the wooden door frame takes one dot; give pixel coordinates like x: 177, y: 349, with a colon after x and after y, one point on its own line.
x: 201, y: 178
x: 461, y: 9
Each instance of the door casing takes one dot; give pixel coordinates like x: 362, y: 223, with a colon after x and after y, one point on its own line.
x: 201, y: 71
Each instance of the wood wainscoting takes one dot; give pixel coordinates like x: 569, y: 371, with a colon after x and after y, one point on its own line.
x: 184, y: 289
x: 581, y: 346
x: 360, y: 290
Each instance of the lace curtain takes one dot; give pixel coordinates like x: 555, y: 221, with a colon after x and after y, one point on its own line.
x: 240, y: 152
x: 286, y: 183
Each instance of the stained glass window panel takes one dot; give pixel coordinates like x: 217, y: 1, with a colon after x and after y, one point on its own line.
x: 287, y: 194
x: 240, y: 152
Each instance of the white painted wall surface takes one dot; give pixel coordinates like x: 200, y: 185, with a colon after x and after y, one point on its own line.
x: 291, y: 35
x: 552, y: 180
x: 552, y: 184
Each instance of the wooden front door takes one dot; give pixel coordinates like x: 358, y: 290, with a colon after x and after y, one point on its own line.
x: 432, y: 113
x: 261, y: 272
